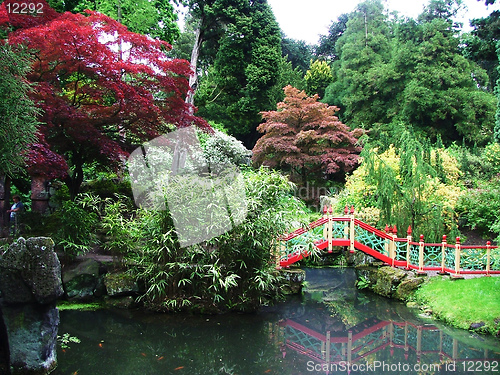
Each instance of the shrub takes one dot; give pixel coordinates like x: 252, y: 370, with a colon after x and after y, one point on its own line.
x: 234, y: 270
x: 480, y: 208
x: 74, y: 224
x: 492, y: 156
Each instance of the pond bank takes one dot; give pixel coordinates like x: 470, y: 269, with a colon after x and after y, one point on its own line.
x: 471, y: 303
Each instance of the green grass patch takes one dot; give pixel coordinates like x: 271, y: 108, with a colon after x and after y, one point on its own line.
x: 463, y: 302
x: 66, y: 305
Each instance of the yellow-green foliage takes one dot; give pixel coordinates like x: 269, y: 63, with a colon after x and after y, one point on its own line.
x: 436, y: 193
x: 450, y: 165
x: 492, y: 155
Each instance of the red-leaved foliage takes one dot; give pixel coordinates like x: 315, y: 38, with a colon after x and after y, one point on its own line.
x: 25, y: 13
x: 305, y: 137
x: 102, y: 89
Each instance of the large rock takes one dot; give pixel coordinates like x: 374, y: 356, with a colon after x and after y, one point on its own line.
x: 84, y: 281
x: 407, y: 287
x: 30, y: 283
x: 32, y: 335
x: 390, y: 282
x: 388, y: 279
x: 30, y: 271
x: 120, y: 284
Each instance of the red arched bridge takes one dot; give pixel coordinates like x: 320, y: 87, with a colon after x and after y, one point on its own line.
x: 347, y: 231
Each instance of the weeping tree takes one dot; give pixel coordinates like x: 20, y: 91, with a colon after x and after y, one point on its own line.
x: 407, y: 184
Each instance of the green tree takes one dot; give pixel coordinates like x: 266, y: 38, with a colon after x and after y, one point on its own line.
x: 155, y: 18
x: 480, y: 45
x: 441, y: 94
x: 298, y: 52
x: 241, y: 81
x: 413, y: 73
x: 318, y: 77
x: 441, y: 9
x: 208, y: 20
x: 363, y: 68
x: 327, y: 49
x: 18, y: 114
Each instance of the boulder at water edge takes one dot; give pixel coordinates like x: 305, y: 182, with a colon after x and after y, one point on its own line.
x: 30, y: 283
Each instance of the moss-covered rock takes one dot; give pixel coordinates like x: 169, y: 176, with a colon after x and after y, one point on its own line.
x: 32, y: 333
x: 390, y: 282
x: 83, y: 282
x: 30, y: 283
x: 407, y: 287
x: 120, y: 284
x: 30, y: 271
x: 388, y: 279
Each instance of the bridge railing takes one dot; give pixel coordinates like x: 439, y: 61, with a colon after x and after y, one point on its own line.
x: 347, y: 231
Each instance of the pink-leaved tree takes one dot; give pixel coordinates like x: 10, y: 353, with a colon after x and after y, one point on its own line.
x: 304, y: 138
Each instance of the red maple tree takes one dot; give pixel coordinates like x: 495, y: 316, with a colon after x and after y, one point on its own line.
x: 102, y: 90
x: 305, y: 138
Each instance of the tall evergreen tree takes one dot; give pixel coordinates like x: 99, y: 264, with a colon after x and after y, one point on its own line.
x: 327, y: 49
x: 364, y: 55
x: 241, y: 81
x: 480, y: 45
x: 298, y: 52
x: 441, y: 94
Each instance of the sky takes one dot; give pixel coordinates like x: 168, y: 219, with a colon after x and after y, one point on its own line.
x: 307, y: 19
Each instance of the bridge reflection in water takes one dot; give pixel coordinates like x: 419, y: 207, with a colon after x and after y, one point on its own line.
x: 421, y: 343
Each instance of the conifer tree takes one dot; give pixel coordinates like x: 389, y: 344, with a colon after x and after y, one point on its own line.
x: 317, y: 78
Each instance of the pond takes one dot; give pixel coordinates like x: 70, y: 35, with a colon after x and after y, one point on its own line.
x: 331, y: 328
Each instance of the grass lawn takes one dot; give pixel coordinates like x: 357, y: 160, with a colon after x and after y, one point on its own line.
x: 463, y: 302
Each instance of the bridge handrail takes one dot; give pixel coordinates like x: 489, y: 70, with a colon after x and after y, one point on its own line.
x: 411, y: 254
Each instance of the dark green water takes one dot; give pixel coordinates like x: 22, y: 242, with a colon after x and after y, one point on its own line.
x: 333, y: 328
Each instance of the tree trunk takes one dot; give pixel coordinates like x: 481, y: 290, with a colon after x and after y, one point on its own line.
x: 195, y: 54
x: 4, y: 200
x: 75, y: 180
